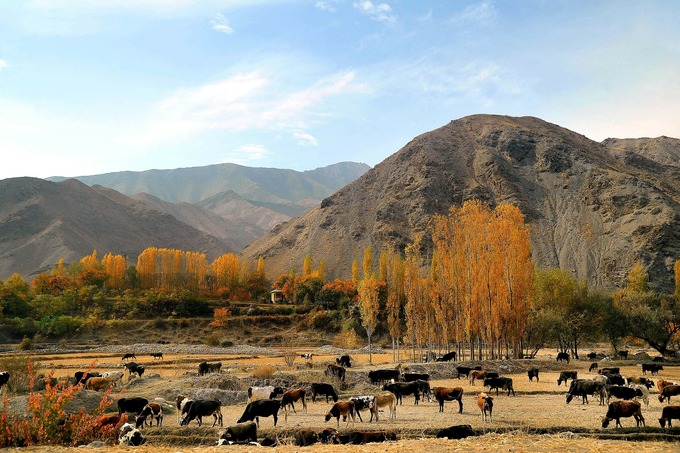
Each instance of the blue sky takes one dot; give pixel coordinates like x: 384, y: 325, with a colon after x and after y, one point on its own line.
x: 96, y: 86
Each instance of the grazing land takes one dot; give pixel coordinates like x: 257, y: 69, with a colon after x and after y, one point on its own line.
x: 537, y: 418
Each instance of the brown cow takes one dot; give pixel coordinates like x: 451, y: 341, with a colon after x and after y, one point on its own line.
x: 442, y: 394
x: 669, y: 413
x: 485, y: 404
x: 660, y: 384
x: 383, y: 399
x: 290, y: 397
x: 341, y: 409
x: 619, y: 409
x: 98, y: 384
x: 476, y: 374
x: 668, y: 391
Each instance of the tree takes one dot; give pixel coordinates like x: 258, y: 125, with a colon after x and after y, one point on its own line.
x: 652, y: 317
x: 637, y: 278
x: 355, y: 272
x: 220, y: 317
x: 369, y: 292
x: 676, y: 268
x: 307, y: 265
x: 368, y: 261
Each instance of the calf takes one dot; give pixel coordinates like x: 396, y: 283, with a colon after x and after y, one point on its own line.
x: 115, y: 376
x: 362, y: 403
x: 465, y: 370
x: 324, y: 389
x: 404, y: 388
x: 485, y: 404
x: 412, y: 377
x: 261, y: 408
x: 153, y: 410
x: 384, y: 399
x: 669, y: 413
x: 660, y: 384
x: 291, y: 396
x: 198, y: 409
x: 442, y: 394
x: 563, y: 356
x: 654, y: 368
x: 622, y: 409
x: 621, y: 392
x: 668, y: 391
x: 583, y: 388
x: 592, y: 355
x: 133, y: 405
x: 157, y: 355
x: 129, y: 355
x: 98, y: 384
x: 476, y: 374
x: 344, y: 361
x: 364, y: 437
x: 533, y: 373
x: 241, y: 432
x: 340, y: 409
x: 263, y: 393
x: 449, y: 356
x: 593, y: 366
x: 456, y: 432
x: 565, y: 376
x: 623, y: 354
x: 209, y: 367
x: 81, y: 377
x: 499, y: 383
x: 335, y: 370
x: 130, y: 436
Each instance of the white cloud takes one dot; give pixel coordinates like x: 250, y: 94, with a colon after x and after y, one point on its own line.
x: 3, y: 64
x: 246, y: 154
x: 305, y: 139
x: 325, y: 6
x: 483, y: 13
x: 381, y: 12
x: 221, y: 24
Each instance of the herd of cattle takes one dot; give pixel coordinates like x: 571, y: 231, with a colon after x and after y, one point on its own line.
x: 394, y: 384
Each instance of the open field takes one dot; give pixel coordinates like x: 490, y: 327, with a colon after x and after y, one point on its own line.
x: 537, y: 418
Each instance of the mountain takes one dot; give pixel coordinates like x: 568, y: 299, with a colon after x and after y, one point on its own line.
x: 42, y: 222
x: 594, y: 208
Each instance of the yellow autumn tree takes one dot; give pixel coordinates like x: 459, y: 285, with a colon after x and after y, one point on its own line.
x: 369, y: 293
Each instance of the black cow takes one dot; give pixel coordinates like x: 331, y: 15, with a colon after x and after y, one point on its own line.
x: 658, y: 359
x: 344, y: 360
x: 130, y: 355
x: 157, y: 355
x: 582, y: 388
x: 380, y: 376
x: 412, y: 377
x: 593, y: 366
x: 616, y: 379
x: 134, y: 405
x: 261, y: 408
x: 533, y: 373
x: 449, y: 356
x: 499, y: 382
x: 456, y: 432
x: 465, y: 370
x: 404, y: 388
x: 202, y: 408
x: 566, y: 375
x: 425, y: 391
x: 621, y: 392
x: 134, y: 368
x: 609, y: 370
x: 654, y: 368
x: 4, y: 378
x: 623, y: 354
x: 242, y: 432
x: 209, y: 367
x: 363, y: 437
x: 592, y: 355
x: 306, y: 437
x: 563, y: 356
x: 324, y: 389
x: 81, y: 377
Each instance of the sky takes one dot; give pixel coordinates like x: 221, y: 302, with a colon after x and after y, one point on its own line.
x: 98, y: 86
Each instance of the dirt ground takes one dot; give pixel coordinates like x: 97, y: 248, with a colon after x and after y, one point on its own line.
x: 538, y: 407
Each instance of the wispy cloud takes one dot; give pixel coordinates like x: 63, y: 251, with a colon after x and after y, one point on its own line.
x: 325, y: 6
x: 246, y: 154
x: 484, y: 13
x: 381, y: 12
x: 3, y: 64
x: 305, y: 139
x: 221, y: 24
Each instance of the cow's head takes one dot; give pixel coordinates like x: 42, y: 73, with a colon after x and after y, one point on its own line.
x: 605, y: 422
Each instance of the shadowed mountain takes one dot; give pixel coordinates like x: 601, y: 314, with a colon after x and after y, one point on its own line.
x: 594, y: 208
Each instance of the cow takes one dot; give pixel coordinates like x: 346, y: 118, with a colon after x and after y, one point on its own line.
x: 157, y: 355
x: 668, y: 391
x: 582, y: 388
x: 404, y: 388
x: 499, y: 383
x: 593, y: 366
x: 563, y: 356
x: 425, y: 390
x: 267, y: 392
x: 654, y: 368
x: 134, y: 405
x: 115, y: 376
x: 180, y: 403
x: 98, y: 384
x: 261, y: 408
x: 362, y: 403
x: 307, y: 437
x: 660, y: 384
x: 381, y: 376
x: 209, y: 367
x: 344, y: 361
x: 129, y: 355
x: 130, y: 436
x: 565, y: 376
x: 153, y: 410
x: 291, y: 396
x: 669, y: 413
x: 610, y: 370
x: 197, y: 409
x: 363, y: 437
x: 456, y: 432
x: 241, y: 432
x: 324, y: 389
x: 465, y: 370
x: 644, y: 390
x: 621, y: 409
x: 104, y: 421
x: 308, y: 356
x: 592, y: 355
x: 476, y: 375
x: 335, y: 370
x: 80, y: 377
x: 442, y: 394
x: 621, y: 392
x: 616, y: 379
x: 134, y: 368
x: 485, y: 404
x: 533, y: 373
x: 412, y: 377
x: 339, y: 409
x: 640, y: 381
x: 449, y: 356
x: 384, y: 399
x: 623, y: 354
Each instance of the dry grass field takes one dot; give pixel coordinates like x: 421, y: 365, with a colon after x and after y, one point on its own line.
x: 536, y: 419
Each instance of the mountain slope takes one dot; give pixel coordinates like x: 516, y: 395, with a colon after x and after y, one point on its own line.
x: 590, y: 212
x: 42, y: 222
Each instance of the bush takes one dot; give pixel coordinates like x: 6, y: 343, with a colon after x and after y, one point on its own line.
x: 226, y: 343
x: 17, y: 366
x: 25, y: 345
x: 57, y: 326
x: 264, y: 372
x: 213, y: 339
